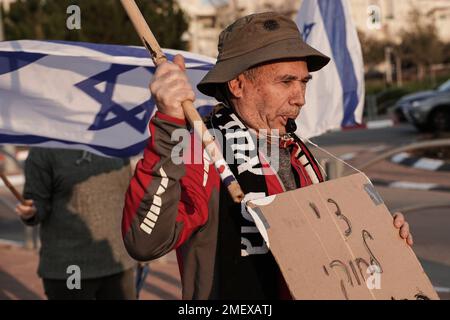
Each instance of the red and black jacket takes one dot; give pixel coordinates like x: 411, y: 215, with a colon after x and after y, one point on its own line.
x: 184, y: 207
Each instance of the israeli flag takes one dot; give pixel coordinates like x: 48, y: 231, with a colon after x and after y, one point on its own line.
x: 83, y: 96
x: 335, y: 96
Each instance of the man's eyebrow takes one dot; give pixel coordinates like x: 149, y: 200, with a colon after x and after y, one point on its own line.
x: 290, y: 77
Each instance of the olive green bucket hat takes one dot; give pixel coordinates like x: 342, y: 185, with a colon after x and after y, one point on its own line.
x: 256, y: 39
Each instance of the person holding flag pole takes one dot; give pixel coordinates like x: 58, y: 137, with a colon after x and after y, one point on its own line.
x: 260, y: 79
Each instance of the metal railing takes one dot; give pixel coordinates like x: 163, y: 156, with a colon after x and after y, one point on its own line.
x: 335, y: 169
x: 410, y: 147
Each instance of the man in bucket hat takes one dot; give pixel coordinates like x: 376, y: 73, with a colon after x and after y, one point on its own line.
x: 260, y: 79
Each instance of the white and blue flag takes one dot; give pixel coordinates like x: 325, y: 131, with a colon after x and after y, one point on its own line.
x: 81, y: 95
x: 335, y: 96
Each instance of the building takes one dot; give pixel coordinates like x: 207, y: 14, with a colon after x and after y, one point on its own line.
x: 384, y: 19
x: 6, y: 3
x: 381, y: 19
x: 202, y: 32
x: 207, y: 18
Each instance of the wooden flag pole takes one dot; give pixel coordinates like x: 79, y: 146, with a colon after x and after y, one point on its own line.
x: 190, y: 112
x: 14, y: 191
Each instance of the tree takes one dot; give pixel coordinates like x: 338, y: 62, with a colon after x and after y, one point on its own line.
x: 372, y: 49
x: 421, y: 44
x: 102, y: 21
x: 446, y: 48
x: 230, y: 10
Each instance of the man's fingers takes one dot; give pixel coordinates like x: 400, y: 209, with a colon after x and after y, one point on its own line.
x: 168, y: 79
x: 23, y: 207
x: 164, y: 68
x: 170, y: 87
x: 169, y: 66
x: 399, y: 220
x: 179, y: 61
x: 404, y: 231
x: 400, y: 223
x: 409, y: 240
x: 25, y: 210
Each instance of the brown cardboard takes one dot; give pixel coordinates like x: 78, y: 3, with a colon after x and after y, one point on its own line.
x: 326, y: 257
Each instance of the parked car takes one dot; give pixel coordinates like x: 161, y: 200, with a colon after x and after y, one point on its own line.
x: 426, y: 110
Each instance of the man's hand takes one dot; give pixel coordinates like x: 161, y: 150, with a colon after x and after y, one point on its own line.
x: 400, y: 223
x: 26, y: 211
x: 170, y: 87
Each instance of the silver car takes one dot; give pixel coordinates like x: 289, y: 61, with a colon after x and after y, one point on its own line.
x: 427, y: 110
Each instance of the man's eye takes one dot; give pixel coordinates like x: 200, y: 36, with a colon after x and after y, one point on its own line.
x: 289, y: 82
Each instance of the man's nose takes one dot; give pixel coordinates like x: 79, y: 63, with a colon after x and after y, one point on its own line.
x: 297, y: 97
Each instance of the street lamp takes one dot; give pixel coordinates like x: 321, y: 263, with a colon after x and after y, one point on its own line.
x: 387, y: 56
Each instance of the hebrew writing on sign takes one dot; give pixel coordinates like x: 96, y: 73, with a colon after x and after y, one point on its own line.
x: 336, y: 240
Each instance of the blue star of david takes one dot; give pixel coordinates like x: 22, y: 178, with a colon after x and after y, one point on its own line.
x: 103, y: 119
x: 307, y: 28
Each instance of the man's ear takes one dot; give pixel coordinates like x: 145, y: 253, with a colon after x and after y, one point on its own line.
x: 236, y: 86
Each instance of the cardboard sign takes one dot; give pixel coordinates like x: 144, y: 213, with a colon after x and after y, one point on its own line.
x: 336, y: 240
